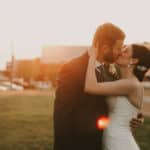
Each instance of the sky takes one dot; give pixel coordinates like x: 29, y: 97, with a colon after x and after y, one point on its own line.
x: 27, y: 25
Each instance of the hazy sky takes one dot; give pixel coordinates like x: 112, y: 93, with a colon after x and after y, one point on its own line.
x: 29, y: 24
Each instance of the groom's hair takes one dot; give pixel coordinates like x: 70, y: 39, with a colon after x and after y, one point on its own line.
x: 107, y: 34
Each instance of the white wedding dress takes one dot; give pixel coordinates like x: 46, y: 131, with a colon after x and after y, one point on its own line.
x: 118, y: 134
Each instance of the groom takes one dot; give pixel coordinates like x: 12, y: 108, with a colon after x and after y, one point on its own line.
x: 76, y: 113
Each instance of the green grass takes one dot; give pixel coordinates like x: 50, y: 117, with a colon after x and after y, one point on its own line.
x: 142, y: 135
x: 26, y: 124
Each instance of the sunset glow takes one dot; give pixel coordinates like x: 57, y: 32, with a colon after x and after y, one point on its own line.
x: 30, y: 24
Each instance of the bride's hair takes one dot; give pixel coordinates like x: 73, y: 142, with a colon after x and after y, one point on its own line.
x: 142, y: 53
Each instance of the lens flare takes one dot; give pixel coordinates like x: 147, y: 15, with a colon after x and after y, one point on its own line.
x: 102, y: 122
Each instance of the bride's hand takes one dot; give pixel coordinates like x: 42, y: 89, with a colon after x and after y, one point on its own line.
x: 93, y: 52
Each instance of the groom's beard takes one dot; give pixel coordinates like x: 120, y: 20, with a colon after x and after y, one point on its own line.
x: 109, y: 58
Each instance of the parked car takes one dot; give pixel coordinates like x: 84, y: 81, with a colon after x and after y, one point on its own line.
x: 3, y: 88
x: 11, y: 86
x: 42, y: 85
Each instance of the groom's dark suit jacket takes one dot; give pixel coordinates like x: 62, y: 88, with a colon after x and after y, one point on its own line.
x: 76, y: 112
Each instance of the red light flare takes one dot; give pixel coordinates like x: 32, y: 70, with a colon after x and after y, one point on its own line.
x: 102, y: 122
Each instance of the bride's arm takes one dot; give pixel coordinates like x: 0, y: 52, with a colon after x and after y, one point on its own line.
x: 119, y: 87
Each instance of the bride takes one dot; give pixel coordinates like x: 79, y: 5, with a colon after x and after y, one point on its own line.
x: 125, y: 95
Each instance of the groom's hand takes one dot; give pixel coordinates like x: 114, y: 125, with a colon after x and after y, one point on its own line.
x: 137, y: 122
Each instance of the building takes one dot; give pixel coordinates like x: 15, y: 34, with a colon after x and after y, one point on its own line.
x: 60, y: 53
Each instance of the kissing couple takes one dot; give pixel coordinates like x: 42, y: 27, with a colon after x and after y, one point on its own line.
x: 104, y: 81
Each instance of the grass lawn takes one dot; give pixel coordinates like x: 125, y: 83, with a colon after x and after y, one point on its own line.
x: 143, y: 135
x: 26, y: 123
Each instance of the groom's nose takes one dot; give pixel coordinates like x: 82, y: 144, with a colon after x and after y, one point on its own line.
x: 124, y: 52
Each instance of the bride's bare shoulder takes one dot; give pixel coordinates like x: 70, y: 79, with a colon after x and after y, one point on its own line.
x: 135, y: 84
x: 131, y: 83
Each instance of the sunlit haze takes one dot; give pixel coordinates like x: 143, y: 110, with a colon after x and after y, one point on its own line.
x: 27, y: 25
